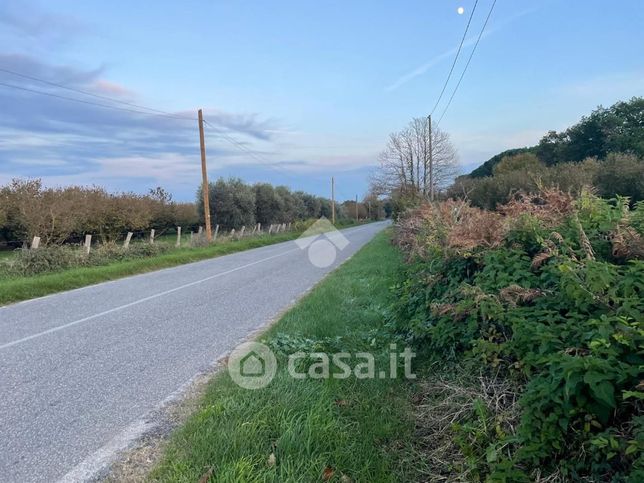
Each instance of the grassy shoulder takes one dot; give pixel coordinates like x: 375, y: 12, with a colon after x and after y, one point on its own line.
x: 308, y: 429
x: 19, y: 288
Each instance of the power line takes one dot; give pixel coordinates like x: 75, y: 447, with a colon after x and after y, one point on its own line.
x: 154, y: 111
x: 262, y: 160
x: 468, y: 62
x: 98, y: 96
x: 467, y: 27
x: 107, y: 106
x: 248, y: 151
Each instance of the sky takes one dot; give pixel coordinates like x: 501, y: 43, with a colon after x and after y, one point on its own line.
x: 294, y: 92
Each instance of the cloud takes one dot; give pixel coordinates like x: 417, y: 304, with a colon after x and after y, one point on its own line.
x: 420, y: 70
x: 423, y: 68
x: 64, y: 141
x: 38, y: 130
x: 28, y: 22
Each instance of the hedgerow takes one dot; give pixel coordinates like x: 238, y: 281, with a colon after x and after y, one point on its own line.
x: 549, y: 300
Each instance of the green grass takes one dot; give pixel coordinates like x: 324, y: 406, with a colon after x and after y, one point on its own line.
x: 15, y: 289
x: 359, y: 428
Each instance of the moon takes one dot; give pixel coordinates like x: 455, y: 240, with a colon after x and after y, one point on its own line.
x: 460, y: 10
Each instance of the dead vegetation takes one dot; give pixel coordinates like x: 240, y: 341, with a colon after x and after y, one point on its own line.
x: 443, y: 406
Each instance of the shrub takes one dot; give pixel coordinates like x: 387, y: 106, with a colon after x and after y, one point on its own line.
x: 621, y: 174
x: 523, y: 173
x: 548, y: 306
x: 26, y: 262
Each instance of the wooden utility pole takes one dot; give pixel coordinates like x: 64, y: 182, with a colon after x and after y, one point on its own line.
x: 332, y: 200
x: 204, y: 179
x: 356, y: 207
x: 431, y: 160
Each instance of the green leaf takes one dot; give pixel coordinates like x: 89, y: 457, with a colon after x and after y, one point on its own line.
x: 604, y: 392
x: 634, y: 394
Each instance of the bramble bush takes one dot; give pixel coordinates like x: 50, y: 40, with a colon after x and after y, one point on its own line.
x: 550, y: 300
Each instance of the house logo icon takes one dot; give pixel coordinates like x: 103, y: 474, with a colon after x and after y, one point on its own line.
x: 252, y: 365
x: 322, y: 240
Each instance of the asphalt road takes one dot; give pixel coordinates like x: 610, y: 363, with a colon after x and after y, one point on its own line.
x: 81, y: 371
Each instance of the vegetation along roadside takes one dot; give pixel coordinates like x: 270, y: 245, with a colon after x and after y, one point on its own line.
x: 527, y: 324
x: 308, y: 429
x: 34, y: 273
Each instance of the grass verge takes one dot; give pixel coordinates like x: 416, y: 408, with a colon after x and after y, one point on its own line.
x: 308, y: 429
x: 16, y: 289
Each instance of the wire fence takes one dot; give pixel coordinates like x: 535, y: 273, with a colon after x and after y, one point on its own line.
x: 195, y: 236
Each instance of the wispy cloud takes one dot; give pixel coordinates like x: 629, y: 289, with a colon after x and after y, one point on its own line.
x: 30, y: 23
x: 66, y: 141
x: 423, y: 68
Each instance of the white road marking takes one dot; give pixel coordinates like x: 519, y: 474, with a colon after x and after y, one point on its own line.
x: 145, y: 299
x: 152, y: 297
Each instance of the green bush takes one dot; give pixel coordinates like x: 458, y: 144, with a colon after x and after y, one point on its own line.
x: 556, y: 313
x: 523, y: 172
x: 621, y: 174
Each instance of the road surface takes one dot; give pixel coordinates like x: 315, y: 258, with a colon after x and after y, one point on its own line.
x: 81, y: 371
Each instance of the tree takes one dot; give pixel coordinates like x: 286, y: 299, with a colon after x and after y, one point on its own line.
x: 162, y: 208
x: 313, y: 204
x: 524, y: 161
x: 375, y: 207
x: 232, y: 203
x: 268, y: 204
x: 186, y: 215
x: 409, y: 169
x: 621, y: 174
x: 293, y: 206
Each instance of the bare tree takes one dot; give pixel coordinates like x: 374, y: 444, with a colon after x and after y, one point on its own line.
x: 406, y: 166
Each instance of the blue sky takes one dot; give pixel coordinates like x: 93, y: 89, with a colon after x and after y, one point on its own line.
x: 310, y: 89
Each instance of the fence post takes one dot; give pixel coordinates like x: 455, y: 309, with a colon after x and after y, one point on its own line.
x: 232, y: 233
x: 35, y: 243
x: 270, y: 229
x: 88, y: 243
x: 128, y: 238
x: 178, y: 244
x: 216, y: 231
x: 259, y: 228
x: 241, y: 233
x: 200, y: 230
x: 152, y: 236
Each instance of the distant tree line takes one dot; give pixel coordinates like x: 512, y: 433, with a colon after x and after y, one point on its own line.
x: 617, y: 175
x: 617, y: 129
x: 234, y: 204
x: 63, y: 215
x: 604, y: 150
